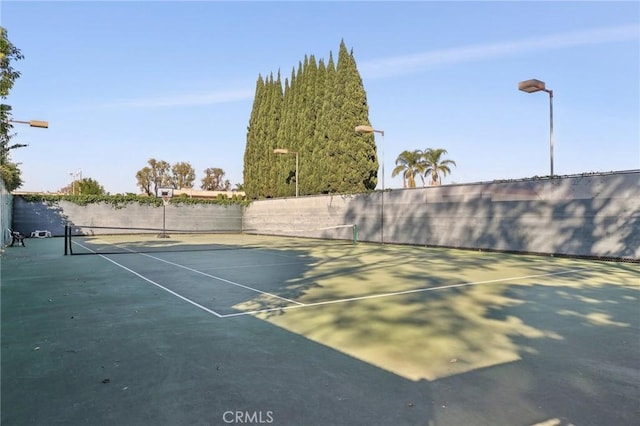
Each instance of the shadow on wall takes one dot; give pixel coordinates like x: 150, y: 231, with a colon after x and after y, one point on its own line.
x: 594, y: 216
x: 45, y: 216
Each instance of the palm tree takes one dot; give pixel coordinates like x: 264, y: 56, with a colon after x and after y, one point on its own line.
x: 409, y: 164
x: 433, y: 164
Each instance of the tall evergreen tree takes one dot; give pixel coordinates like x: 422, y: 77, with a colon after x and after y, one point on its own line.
x: 360, y: 164
x: 251, y: 176
x: 272, y: 123
x: 314, y: 115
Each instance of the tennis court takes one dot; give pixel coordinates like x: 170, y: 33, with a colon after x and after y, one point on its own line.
x: 254, y: 329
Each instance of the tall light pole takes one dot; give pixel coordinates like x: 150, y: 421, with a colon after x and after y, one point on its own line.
x: 532, y: 86
x: 286, y: 151
x: 73, y: 184
x: 368, y: 129
x: 33, y: 123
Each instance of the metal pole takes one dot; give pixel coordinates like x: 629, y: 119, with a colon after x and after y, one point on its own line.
x: 297, y: 192
x: 551, y: 129
x: 382, y: 198
x: 382, y: 133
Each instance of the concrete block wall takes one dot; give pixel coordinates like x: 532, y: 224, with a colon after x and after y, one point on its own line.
x: 596, y: 215
x: 315, y: 216
x: 52, y: 216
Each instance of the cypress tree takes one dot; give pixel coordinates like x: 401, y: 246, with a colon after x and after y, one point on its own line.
x: 251, y: 153
x: 328, y: 141
x: 362, y: 164
x: 315, y: 115
x: 274, y: 101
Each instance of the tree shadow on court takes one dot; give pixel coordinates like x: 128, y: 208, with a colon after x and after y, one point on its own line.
x: 520, y: 352
x: 583, y: 369
x: 114, y: 350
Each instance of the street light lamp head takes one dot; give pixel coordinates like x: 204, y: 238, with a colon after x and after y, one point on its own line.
x: 39, y: 123
x: 280, y: 151
x: 532, y: 86
x: 368, y: 129
x: 364, y: 129
x: 33, y: 123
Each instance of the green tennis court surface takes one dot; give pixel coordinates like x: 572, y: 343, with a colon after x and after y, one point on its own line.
x: 316, y: 333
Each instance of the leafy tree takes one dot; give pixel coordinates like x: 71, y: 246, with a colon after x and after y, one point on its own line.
x: 85, y: 186
x: 9, y: 171
x: 88, y: 186
x: 159, y: 174
x: 155, y: 175
x: 8, y: 53
x: 145, y: 180
x: 410, y: 165
x: 11, y: 175
x: 434, y: 164
x: 183, y: 175
x: 213, y: 180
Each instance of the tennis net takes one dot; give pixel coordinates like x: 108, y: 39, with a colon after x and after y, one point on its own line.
x: 81, y: 239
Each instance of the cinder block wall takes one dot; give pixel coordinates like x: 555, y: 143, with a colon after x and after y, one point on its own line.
x: 50, y: 216
x: 595, y: 215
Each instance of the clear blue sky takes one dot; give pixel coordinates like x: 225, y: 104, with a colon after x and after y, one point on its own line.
x: 121, y: 82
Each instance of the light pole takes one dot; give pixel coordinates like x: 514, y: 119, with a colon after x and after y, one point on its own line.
x: 33, y: 123
x: 286, y: 151
x: 73, y: 184
x: 368, y: 129
x: 532, y: 86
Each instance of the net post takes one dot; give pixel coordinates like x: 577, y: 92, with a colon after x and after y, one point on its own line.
x: 355, y: 233
x: 70, y: 244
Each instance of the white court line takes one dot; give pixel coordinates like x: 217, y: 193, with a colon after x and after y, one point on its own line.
x: 328, y: 302
x: 398, y: 293
x: 201, y: 273
x: 162, y: 287
x: 223, y: 280
x: 197, y: 305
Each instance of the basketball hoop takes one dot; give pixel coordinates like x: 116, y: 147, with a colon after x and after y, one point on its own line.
x: 166, y: 194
